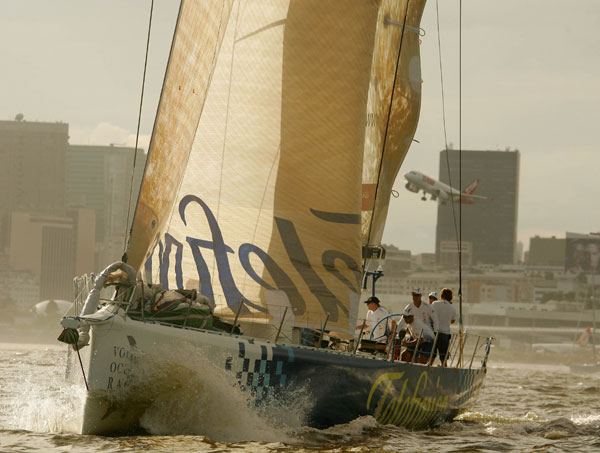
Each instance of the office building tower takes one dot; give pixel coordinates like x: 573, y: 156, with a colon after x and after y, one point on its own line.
x: 32, y: 174
x: 490, y: 226
x: 546, y: 251
x: 53, y: 248
x: 99, y: 178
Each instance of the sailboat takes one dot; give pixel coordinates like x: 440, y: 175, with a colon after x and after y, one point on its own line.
x: 280, y: 130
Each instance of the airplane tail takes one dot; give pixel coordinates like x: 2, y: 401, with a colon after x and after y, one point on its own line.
x: 470, y: 189
x: 584, y: 339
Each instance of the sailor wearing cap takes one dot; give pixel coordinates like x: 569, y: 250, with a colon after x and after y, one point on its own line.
x: 406, y: 326
x: 376, y: 313
x: 425, y: 321
x: 445, y: 313
x: 432, y: 298
x: 405, y: 323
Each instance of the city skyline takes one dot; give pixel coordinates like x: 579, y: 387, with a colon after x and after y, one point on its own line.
x: 526, y: 84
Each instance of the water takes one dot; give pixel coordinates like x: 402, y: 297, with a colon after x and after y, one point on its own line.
x: 522, y: 407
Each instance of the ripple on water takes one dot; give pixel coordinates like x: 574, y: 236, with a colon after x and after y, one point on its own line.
x: 524, y: 408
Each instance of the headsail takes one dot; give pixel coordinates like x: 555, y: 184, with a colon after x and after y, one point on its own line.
x: 268, y: 204
x: 196, y: 43
x: 390, y: 128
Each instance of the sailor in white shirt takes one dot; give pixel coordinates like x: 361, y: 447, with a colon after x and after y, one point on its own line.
x: 423, y: 322
x: 375, y: 314
x: 422, y: 338
x: 424, y: 317
x: 432, y: 297
x: 445, y: 313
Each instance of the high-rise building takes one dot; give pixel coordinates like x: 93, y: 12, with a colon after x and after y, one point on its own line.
x: 53, y: 248
x: 582, y: 253
x: 448, y: 253
x: 489, y: 225
x: 64, y: 208
x: 32, y: 174
x: 546, y: 251
x: 99, y: 178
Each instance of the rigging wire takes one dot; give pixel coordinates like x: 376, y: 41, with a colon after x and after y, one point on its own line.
x: 387, y: 126
x: 457, y: 228
x: 137, y: 135
x: 444, y: 120
x: 437, y: 10
x: 82, y: 369
x: 460, y: 317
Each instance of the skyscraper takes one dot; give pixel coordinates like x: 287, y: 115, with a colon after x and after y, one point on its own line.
x: 489, y: 225
x: 53, y: 248
x: 32, y: 174
x: 100, y: 178
x: 64, y: 208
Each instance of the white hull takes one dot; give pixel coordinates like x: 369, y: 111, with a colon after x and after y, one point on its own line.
x: 133, y: 366
x: 121, y: 345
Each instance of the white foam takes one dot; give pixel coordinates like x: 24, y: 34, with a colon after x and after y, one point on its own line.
x: 350, y: 433
x: 487, y: 418
x: 190, y: 395
x: 43, y: 401
x: 588, y: 419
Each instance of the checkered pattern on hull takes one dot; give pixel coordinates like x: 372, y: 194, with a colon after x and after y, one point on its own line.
x: 262, y: 369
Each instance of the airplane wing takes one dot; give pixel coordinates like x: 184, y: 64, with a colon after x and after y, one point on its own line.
x: 458, y: 196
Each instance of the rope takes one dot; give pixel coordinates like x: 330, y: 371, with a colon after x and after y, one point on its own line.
x: 137, y: 135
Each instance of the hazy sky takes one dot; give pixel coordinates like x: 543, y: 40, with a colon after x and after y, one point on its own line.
x: 531, y: 81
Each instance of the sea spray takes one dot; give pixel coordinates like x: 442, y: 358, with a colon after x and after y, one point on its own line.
x: 187, y: 394
x: 349, y: 434
x: 43, y: 402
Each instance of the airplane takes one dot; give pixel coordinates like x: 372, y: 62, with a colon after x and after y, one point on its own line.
x: 578, y: 345
x: 417, y: 181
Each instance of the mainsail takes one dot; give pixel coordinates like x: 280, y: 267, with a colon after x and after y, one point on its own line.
x: 252, y: 189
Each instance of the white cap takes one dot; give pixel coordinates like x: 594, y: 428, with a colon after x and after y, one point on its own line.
x: 417, y: 291
x: 408, y: 311
x: 433, y: 294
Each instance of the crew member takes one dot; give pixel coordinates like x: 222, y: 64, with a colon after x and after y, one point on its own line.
x: 375, y: 314
x: 432, y: 298
x: 425, y: 322
x: 445, y: 313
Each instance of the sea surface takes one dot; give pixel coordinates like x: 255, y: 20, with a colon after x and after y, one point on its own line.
x: 522, y: 407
